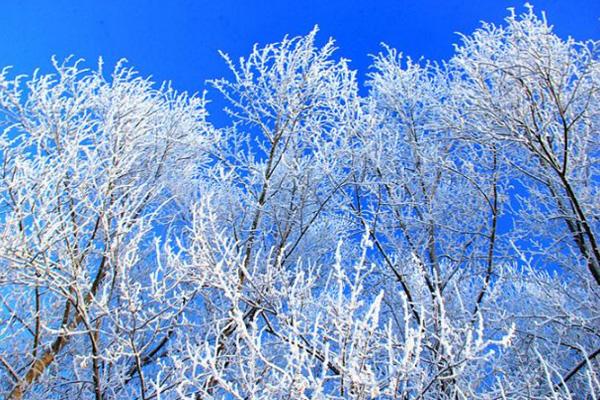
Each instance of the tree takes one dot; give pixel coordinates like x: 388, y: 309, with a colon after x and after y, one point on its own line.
x: 88, y: 174
x: 433, y: 239
x: 536, y: 94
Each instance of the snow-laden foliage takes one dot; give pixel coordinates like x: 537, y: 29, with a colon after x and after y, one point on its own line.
x: 434, y: 239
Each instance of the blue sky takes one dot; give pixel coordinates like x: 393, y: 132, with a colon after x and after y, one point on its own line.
x: 178, y: 40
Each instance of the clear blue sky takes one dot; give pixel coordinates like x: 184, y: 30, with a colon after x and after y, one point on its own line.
x: 178, y: 40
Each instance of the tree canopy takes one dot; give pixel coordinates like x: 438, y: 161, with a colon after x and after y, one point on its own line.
x: 435, y: 238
